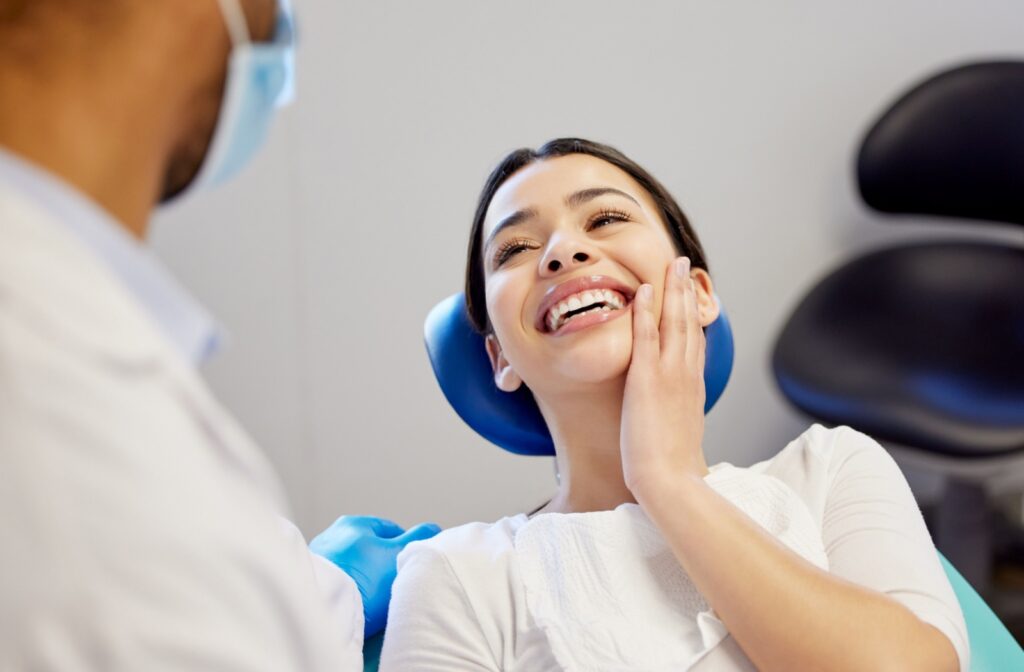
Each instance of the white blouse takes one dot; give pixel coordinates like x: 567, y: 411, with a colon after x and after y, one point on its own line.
x: 602, y: 590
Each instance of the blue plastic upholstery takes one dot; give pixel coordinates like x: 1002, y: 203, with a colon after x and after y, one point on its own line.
x: 371, y: 652
x: 512, y: 420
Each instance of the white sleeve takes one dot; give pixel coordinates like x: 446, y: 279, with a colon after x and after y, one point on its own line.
x: 339, y: 591
x: 129, y: 542
x: 875, y: 536
x: 432, y: 626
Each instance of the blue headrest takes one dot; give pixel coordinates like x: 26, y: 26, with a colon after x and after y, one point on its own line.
x: 512, y: 420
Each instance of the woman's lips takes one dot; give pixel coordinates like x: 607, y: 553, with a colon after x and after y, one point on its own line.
x: 610, y: 296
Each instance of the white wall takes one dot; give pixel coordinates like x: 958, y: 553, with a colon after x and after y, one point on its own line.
x: 324, y: 258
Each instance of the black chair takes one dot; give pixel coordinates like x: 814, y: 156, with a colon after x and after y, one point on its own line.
x: 921, y: 345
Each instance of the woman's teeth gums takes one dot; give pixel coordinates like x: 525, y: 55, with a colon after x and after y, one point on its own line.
x: 602, y: 300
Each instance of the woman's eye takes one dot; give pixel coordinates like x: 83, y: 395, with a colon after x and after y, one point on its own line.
x: 606, y: 218
x: 509, y: 250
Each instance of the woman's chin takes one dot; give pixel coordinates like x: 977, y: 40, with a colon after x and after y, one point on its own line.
x: 597, y: 376
x: 603, y: 360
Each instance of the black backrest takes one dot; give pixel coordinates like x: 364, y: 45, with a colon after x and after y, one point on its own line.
x: 952, y: 146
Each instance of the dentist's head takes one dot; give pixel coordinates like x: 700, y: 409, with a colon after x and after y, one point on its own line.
x: 135, y: 101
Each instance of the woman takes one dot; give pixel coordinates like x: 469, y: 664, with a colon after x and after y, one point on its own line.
x: 591, y: 289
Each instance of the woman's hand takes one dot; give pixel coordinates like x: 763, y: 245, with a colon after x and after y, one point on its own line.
x: 663, y: 407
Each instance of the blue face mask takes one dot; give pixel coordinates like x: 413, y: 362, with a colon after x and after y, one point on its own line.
x: 260, y: 79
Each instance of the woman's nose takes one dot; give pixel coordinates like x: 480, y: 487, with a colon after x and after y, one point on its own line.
x: 565, y: 255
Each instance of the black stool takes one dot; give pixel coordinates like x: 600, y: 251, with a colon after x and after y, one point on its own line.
x: 922, y: 345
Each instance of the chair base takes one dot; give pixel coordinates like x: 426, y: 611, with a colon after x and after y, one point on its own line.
x: 998, y: 475
x: 964, y: 532
x: 964, y: 529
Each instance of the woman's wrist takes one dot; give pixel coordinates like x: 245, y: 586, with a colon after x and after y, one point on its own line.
x: 666, y: 484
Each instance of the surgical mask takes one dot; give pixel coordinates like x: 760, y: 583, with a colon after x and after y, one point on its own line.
x: 260, y: 79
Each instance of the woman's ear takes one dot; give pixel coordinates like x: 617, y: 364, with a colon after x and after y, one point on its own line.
x: 707, y: 307
x: 505, y: 378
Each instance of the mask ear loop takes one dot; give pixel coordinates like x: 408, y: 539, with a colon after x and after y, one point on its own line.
x: 234, y: 19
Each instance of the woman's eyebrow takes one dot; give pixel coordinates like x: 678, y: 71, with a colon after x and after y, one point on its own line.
x: 517, y: 217
x: 578, y: 198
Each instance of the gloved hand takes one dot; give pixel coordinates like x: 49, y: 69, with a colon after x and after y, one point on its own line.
x: 365, y: 548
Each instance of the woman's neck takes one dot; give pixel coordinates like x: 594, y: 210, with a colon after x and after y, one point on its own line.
x: 585, y: 429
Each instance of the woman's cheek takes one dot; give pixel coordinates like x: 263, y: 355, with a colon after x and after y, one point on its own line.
x: 504, y: 302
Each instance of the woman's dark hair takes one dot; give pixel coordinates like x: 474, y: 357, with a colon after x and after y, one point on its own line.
x: 678, y: 225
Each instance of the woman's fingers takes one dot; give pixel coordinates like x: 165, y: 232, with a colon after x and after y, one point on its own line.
x: 703, y: 351
x: 673, y: 312
x: 694, y: 335
x: 699, y: 343
x: 645, y: 330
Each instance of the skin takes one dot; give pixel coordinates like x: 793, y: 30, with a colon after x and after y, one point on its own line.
x: 624, y: 401
x: 578, y: 380
x: 119, y: 98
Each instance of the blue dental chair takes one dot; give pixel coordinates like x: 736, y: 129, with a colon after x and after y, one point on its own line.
x: 513, y: 422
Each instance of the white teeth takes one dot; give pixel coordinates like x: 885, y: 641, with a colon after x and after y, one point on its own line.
x: 612, y: 300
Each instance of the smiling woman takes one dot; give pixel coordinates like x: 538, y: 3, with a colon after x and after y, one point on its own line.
x: 555, y: 231
x: 591, y: 289
x: 670, y: 214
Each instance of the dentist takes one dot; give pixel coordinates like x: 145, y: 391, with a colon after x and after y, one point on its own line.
x: 140, y: 527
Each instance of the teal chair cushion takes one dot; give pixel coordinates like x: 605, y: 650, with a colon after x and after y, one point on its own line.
x: 371, y: 652
x: 993, y: 648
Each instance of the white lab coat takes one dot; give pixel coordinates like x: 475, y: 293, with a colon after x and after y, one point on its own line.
x: 139, y: 525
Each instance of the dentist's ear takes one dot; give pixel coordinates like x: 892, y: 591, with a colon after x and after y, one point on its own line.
x: 505, y: 378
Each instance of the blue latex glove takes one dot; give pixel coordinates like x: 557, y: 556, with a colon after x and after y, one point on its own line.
x: 365, y: 548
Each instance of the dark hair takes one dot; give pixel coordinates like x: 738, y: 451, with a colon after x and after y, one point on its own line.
x: 678, y: 225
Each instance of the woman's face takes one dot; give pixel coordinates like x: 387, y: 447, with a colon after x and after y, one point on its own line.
x: 567, y: 242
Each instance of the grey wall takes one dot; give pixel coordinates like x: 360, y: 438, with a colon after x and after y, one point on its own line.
x: 324, y: 257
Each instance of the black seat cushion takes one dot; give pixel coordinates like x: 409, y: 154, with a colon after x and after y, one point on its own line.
x: 921, y: 345
x: 952, y: 146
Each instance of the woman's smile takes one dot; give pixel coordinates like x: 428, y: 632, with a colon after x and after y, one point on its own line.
x: 582, y: 302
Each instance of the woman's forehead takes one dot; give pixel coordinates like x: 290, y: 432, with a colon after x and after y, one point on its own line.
x: 546, y: 184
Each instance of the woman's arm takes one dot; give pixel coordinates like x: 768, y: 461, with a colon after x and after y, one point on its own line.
x: 785, y: 613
